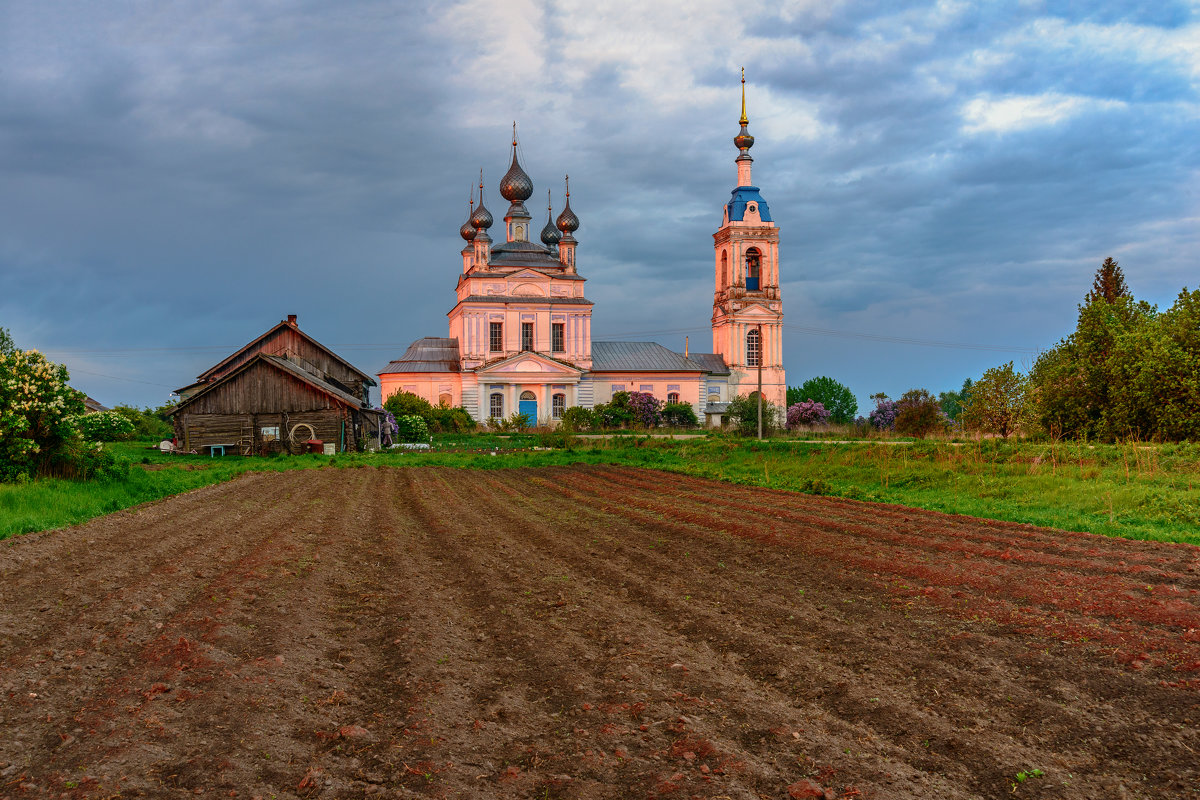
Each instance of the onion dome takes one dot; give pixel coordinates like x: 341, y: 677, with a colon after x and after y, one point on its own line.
x: 567, y: 222
x: 467, y: 231
x: 515, y: 186
x: 482, y: 218
x: 744, y: 141
x: 550, y: 234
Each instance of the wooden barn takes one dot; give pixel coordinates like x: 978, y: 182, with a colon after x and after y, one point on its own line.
x: 279, y: 392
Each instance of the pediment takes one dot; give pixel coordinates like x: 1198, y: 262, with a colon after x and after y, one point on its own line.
x: 753, y: 309
x: 527, y: 275
x: 527, y: 364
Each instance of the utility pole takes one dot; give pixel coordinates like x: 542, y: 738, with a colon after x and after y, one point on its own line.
x: 760, y: 360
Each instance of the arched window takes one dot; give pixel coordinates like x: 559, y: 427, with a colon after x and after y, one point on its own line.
x: 714, y: 397
x: 497, y: 405
x: 753, y: 348
x: 724, y: 271
x: 558, y: 404
x: 672, y: 397
x: 445, y: 399
x: 753, y: 265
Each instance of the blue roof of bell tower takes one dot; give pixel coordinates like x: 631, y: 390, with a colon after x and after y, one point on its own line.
x: 738, y: 200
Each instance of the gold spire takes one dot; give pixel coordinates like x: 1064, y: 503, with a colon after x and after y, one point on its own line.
x: 514, y: 133
x: 567, y: 179
x: 743, y: 120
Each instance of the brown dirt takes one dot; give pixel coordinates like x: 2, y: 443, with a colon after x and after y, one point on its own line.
x: 588, y: 632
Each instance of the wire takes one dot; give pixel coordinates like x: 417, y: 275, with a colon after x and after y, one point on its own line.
x: 116, y: 378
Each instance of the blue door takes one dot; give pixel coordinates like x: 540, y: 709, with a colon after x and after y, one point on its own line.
x: 528, y: 409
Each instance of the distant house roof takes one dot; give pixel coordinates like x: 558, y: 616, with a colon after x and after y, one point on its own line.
x: 430, y: 354
x: 710, y: 362
x: 287, y: 323
x: 638, y: 357
x: 280, y: 363
x: 93, y: 405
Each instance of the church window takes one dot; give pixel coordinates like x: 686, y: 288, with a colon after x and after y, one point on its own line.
x: 753, y: 348
x: 528, y: 395
x: 648, y: 388
x: 445, y: 399
x: 616, y: 387
x: 724, y: 270
x: 672, y: 397
x: 558, y: 403
x: 497, y: 405
x: 753, y: 265
x: 714, y: 397
x: 526, y: 335
x: 557, y: 337
x: 496, y: 334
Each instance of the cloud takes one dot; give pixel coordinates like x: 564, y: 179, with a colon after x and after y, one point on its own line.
x: 1002, y: 115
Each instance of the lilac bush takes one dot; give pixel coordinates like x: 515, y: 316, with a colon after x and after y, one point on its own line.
x: 646, y: 408
x: 808, y: 412
x: 883, y: 418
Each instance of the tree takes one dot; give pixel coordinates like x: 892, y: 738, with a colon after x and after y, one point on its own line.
x: 918, y: 414
x: 998, y: 401
x: 577, y: 418
x: 835, y: 397
x: 1109, y: 283
x: 38, y: 410
x: 742, y: 413
x: 616, y: 413
x: 406, y: 404
x: 105, y: 426
x: 952, y: 403
x: 646, y: 408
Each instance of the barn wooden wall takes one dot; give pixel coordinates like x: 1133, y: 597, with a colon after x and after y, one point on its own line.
x: 288, y: 339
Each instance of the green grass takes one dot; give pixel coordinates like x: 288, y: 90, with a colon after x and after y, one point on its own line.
x: 1135, y: 491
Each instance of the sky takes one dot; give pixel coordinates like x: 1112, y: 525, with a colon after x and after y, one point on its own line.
x: 177, y: 177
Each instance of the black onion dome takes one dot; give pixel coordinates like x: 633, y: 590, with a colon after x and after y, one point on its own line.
x: 467, y: 231
x: 743, y: 141
x: 482, y: 218
x: 515, y: 186
x: 550, y: 234
x: 567, y: 221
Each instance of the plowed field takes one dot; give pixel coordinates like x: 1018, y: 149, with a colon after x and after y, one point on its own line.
x: 588, y: 632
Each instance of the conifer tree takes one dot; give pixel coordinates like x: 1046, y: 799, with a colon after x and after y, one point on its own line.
x: 1109, y: 283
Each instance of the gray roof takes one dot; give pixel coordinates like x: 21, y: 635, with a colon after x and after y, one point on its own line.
x: 545, y: 269
x: 525, y: 298
x: 716, y: 408
x: 710, y: 362
x: 431, y: 354
x: 639, y: 356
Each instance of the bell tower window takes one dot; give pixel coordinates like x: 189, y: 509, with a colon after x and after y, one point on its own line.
x: 753, y: 348
x: 753, y: 265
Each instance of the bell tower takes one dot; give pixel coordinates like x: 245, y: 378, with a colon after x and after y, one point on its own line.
x: 747, y: 321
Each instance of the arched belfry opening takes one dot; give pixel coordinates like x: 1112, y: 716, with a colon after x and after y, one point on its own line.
x: 753, y: 269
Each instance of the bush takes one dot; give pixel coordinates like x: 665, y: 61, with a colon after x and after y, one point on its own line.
x: 84, y: 460
x: 742, y: 414
x: 616, y: 413
x: 407, y: 404
x: 918, y: 414
x: 883, y: 418
x: 147, y: 423
x: 807, y: 412
x: 412, y: 428
x: 577, y: 418
x: 38, y: 410
x: 679, y: 415
x: 646, y: 408
x: 445, y: 419
x: 105, y: 426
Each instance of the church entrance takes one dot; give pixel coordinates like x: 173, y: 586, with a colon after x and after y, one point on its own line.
x: 528, y: 407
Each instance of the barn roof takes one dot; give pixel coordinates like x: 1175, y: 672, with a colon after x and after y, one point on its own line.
x: 370, y: 381
x: 639, y: 356
x: 283, y: 365
x: 430, y: 354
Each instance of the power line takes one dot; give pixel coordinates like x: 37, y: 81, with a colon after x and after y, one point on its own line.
x: 116, y: 378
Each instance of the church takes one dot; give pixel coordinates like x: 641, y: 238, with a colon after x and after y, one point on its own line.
x: 521, y: 327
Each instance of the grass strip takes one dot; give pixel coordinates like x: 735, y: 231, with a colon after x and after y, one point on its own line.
x: 1133, y: 490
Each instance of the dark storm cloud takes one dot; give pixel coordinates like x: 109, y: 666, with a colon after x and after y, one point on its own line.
x: 182, y: 175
